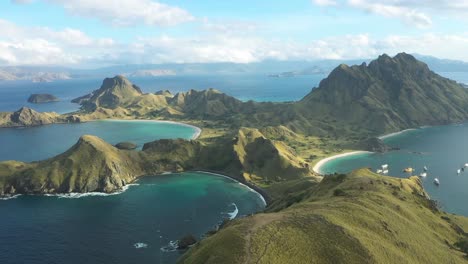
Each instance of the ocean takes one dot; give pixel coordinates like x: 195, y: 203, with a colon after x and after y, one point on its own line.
x: 136, y: 226
x: 14, y: 94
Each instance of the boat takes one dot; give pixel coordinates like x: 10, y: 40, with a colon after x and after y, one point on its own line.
x: 385, y: 172
x: 458, y: 171
x: 436, y: 181
x: 379, y: 171
x: 385, y: 166
x: 425, y: 168
x: 466, y: 165
x: 423, y: 174
x: 408, y: 170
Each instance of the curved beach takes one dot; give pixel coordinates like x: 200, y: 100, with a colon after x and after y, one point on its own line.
x: 195, y: 135
x: 262, y: 196
x: 322, y: 162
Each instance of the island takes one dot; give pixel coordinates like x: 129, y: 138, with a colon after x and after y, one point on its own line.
x: 42, y: 98
x: 273, y: 148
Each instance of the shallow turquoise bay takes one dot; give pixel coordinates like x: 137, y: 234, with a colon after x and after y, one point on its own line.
x: 443, y: 149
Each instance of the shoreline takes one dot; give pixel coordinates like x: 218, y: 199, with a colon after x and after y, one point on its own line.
x: 396, y: 133
x: 196, y: 135
x: 323, y: 161
x: 261, y: 193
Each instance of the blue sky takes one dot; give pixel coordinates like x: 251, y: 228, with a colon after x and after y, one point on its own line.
x: 105, y: 32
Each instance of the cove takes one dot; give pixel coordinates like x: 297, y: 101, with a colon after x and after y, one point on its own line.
x: 41, y: 142
x: 443, y: 149
x: 130, y: 227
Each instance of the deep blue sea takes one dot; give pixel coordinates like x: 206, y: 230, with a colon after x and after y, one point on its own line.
x: 130, y: 227
x: 14, y: 94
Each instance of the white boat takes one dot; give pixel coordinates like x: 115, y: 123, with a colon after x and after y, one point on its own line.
x: 423, y: 174
x: 379, y: 171
x: 466, y: 165
x: 425, y: 168
x: 385, y: 172
x: 436, y: 181
x: 458, y: 171
x: 385, y: 166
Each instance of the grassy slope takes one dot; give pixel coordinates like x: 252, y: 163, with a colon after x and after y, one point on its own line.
x: 90, y: 165
x: 372, y: 219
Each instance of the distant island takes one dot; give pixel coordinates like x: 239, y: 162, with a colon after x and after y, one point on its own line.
x: 42, y: 98
x: 150, y: 73
x: 273, y: 147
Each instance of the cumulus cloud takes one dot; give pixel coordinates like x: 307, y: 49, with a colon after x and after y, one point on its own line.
x: 126, y: 12
x: 243, y: 49
x: 42, y: 45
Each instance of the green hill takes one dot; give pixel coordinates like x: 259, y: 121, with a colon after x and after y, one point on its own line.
x: 90, y: 165
x: 389, y: 94
x: 357, y: 218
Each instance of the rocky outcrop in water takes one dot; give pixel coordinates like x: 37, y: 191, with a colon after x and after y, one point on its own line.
x: 42, y: 98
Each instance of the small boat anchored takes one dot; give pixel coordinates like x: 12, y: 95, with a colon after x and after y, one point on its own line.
x: 425, y: 168
x: 385, y: 172
x: 379, y: 171
x: 423, y: 174
x: 408, y: 170
x: 384, y: 166
x: 436, y: 181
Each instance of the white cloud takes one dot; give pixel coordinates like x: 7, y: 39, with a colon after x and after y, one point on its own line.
x: 126, y: 12
x: 392, y: 9
x: 42, y: 45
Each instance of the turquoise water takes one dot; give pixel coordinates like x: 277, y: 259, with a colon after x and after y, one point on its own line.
x: 107, y: 229
x: 443, y: 149
x: 36, y: 143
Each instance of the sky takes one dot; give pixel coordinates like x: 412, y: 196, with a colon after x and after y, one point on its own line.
x: 97, y: 33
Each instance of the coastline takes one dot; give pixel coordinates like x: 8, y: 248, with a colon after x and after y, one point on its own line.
x: 322, y: 162
x: 196, y: 135
x: 261, y: 193
x: 396, y: 133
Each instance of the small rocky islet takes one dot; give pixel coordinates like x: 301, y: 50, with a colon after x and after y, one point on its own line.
x: 42, y: 98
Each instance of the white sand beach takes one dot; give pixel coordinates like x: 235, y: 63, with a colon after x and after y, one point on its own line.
x: 195, y: 135
x: 325, y: 160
